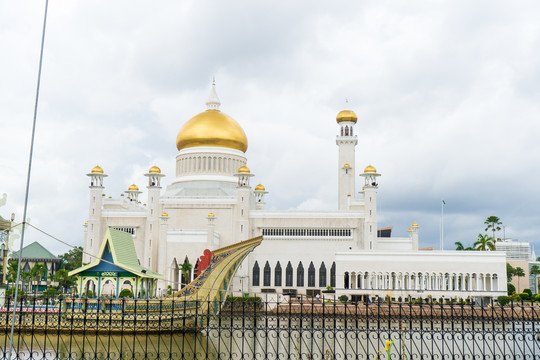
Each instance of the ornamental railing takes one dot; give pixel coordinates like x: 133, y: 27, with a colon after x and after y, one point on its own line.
x: 268, y: 328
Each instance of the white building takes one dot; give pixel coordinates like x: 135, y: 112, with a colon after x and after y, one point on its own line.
x: 211, y: 202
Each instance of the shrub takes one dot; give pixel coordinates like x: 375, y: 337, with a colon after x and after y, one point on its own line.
x: 537, y: 297
x: 244, y: 298
x: 343, y: 298
x: 523, y: 296
x: 503, y: 300
x: 515, y: 297
x: 89, y: 294
x: 11, y: 292
x: 528, y: 291
x: 511, y: 289
x: 51, y: 292
x: 125, y: 293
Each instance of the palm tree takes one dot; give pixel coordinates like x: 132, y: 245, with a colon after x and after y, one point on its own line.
x: 535, y: 270
x: 493, y: 222
x: 519, y: 273
x: 484, y: 243
x: 459, y: 246
x: 37, y: 272
x: 186, y: 269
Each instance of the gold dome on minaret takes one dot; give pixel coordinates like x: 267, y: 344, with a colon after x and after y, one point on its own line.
x: 212, y: 128
x: 346, y: 115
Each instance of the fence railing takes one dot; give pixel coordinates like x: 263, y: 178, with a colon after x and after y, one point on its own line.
x: 266, y: 328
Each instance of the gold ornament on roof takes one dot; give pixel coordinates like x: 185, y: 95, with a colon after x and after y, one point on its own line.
x: 260, y: 187
x: 243, y: 169
x: 164, y: 214
x: 97, y: 170
x: 133, y: 187
x: 211, y: 215
x: 414, y: 225
x: 370, y: 169
x: 154, y: 170
x: 347, y: 165
x: 346, y: 115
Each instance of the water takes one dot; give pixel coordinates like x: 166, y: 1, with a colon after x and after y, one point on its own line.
x: 271, y: 337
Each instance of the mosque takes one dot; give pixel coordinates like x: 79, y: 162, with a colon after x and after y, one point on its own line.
x: 212, y: 201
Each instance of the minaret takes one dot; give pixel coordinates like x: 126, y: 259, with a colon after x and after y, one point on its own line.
x: 93, y: 236
x: 370, y: 200
x: 346, y: 141
x: 260, y: 191
x: 133, y: 192
x: 162, y: 263
x: 413, y: 235
x: 153, y: 240
x: 244, y: 193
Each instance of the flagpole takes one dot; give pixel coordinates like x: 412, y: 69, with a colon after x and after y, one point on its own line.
x: 442, y: 224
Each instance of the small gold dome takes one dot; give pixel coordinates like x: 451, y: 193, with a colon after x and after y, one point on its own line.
x: 410, y: 229
x: 212, y: 128
x: 346, y: 115
x: 133, y: 187
x: 243, y: 169
x: 414, y: 225
x: 97, y: 170
x: 347, y: 165
x: 86, y: 223
x: 370, y: 169
x: 164, y: 214
x: 260, y: 187
x: 154, y: 170
x: 211, y: 215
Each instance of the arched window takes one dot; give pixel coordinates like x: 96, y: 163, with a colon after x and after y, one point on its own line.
x: 346, y: 280
x: 311, y: 275
x: 289, y: 275
x: 300, y: 275
x: 351, y: 130
x: 322, y: 275
x: 333, y: 275
x: 277, y: 275
x: 346, y: 131
x: 342, y: 131
x: 256, y: 274
x: 267, y: 271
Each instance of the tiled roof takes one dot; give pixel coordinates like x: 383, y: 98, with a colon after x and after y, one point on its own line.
x: 124, y: 254
x: 34, y: 251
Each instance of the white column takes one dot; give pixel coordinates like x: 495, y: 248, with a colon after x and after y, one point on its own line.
x: 484, y: 282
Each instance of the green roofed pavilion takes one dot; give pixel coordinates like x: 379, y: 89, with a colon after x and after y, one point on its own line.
x: 116, y: 268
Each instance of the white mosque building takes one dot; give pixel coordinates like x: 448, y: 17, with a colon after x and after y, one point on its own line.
x: 210, y: 202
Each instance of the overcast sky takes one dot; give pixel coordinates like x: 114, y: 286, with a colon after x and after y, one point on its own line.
x: 447, y: 95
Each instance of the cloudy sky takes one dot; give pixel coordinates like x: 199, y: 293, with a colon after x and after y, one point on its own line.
x: 447, y: 94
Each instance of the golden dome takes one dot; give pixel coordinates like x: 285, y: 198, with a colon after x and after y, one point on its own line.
x: 243, y: 169
x: 97, y: 170
x: 154, y: 170
x: 414, y: 225
x: 86, y: 223
x: 410, y: 229
x: 212, y: 128
x: 346, y: 115
x: 347, y: 165
x: 211, y: 215
x: 260, y: 187
x: 133, y: 187
x: 370, y: 169
x: 165, y: 214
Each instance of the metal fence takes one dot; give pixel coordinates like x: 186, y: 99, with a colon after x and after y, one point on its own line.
x: 267, y: 328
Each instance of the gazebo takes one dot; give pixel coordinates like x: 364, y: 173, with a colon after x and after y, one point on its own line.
x: 116, y: 268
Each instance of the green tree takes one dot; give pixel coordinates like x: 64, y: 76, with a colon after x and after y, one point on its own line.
x: 63, y: 279
x: 510, y: 271
x: 72, y: 259
x: 535, y: 270
x: 12, y: 271
x: 185, y: 269
x: 38, y: 272
x: 493, y: 223
x: 484, y: 243
x: 519, y: 273
x: 459, y: 246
